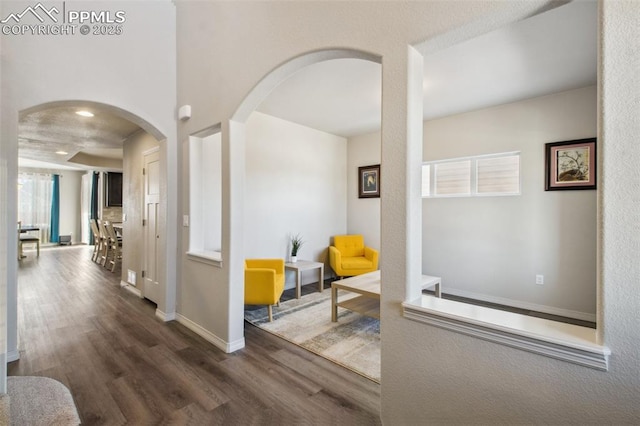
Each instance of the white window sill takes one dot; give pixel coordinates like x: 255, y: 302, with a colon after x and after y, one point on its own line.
x: 567, y: 342
x: 213, y: 258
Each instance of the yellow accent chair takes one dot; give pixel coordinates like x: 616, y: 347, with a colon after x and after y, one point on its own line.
x: 348, y: 256
x: 263, y: 282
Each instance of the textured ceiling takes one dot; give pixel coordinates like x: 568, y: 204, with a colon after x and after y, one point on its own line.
x: 42, y: 133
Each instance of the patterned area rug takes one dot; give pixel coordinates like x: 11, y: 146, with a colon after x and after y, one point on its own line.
x: 353, y: 341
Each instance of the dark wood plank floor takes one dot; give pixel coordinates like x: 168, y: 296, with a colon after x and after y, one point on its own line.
x: 123, y: 366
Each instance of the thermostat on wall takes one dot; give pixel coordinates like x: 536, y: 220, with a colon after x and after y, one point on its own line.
x: 184, y: 113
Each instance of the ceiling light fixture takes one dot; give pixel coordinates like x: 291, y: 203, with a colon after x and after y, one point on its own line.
x: 84, y: 113
x: 61, y: 152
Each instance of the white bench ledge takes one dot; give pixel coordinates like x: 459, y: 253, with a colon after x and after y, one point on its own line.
x: 554, y: 339
x: 209, y: 257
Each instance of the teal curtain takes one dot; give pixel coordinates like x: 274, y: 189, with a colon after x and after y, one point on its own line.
x: 55, y: 210
x: 94, y: 201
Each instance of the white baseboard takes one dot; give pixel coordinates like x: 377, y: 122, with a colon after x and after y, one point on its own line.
x: 210, y: 337
x: 130, y: 288
x: 584, y: 316
x: 13, y: 355
x: 164, y: 316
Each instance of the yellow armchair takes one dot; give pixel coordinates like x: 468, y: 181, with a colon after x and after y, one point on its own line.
x: 263, y: 282
x: 348, y: 256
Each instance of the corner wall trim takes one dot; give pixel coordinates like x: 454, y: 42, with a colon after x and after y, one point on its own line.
x: 569, y: 344
x: 210, y: 337
x: 165, y: 317
x: 13, y: 355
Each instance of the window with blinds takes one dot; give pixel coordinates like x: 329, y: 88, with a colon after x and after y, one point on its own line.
x: 485, y: 175
x: 452, y: 178
x: 498, y: 175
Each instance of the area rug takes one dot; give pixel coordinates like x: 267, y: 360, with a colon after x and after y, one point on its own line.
x: 353, y: 341
x: 40, y: 401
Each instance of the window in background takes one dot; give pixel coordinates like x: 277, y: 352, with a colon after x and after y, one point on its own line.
x: 452, y: 178
x: 34, y: 202
x: 496, y: 174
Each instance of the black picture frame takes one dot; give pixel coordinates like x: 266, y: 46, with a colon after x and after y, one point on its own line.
x: 369, y: 181
x: 570, y: 165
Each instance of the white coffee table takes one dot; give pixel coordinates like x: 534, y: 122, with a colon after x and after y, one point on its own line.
x: 367, y: 286
x: 306, y: 265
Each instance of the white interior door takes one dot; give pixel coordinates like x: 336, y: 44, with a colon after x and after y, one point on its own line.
x: 151, y: 231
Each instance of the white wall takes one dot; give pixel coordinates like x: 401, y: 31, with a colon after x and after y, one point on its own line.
x: 493, y: 247
x: 503, y: 242
x: 295, y: 184
x: 363, y: 214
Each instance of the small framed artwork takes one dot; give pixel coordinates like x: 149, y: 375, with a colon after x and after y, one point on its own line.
x: 570, y: 165
x: 369, y: 181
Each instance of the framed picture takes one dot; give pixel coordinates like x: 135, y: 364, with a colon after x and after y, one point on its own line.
x: 369, y: 181
x: 570, y: 165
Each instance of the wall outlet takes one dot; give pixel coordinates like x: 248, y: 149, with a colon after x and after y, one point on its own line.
x: 540, y: 279
x: 185, y: 220
x: 131, y: 277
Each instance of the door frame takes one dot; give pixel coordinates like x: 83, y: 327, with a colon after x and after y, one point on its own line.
x: 145, y: 154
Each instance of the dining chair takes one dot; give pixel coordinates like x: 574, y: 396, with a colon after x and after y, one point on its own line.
x: 115, y: 245
x: 25, y: 237
x: 97, y: 240
x: 104, y: 253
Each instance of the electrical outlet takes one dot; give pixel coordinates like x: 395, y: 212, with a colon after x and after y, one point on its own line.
x: 185, y: 220
x: 540, y: 279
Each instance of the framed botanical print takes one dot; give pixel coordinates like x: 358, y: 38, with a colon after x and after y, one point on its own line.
x: 570, y: 165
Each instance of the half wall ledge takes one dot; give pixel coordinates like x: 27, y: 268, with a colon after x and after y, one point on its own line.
x: 553, y: 339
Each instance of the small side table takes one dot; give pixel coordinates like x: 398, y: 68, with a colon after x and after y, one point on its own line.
x: 306, y: 265
x: 429, y: 281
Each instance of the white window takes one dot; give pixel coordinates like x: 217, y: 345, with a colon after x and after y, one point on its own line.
x: 452, y: 178
x: 496, y: 174
x: 34, y: 202
x: 205, y: 196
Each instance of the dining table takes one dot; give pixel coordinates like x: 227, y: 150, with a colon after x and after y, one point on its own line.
x: 117, y: 226
x: 23, y: 230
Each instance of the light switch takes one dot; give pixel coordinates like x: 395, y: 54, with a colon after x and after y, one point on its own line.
x: 185, y: 220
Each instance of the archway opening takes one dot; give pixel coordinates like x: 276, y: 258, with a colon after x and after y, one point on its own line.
x: 313, y: 180
x: 87, y: 144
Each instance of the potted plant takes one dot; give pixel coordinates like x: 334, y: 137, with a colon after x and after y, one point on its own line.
x: 296, y: 243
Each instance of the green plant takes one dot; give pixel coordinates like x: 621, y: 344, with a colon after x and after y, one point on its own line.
x: 296, y: 243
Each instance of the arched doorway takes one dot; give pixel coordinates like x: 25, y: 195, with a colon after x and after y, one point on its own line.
x: 49, y: 118
x: 234, y: 142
